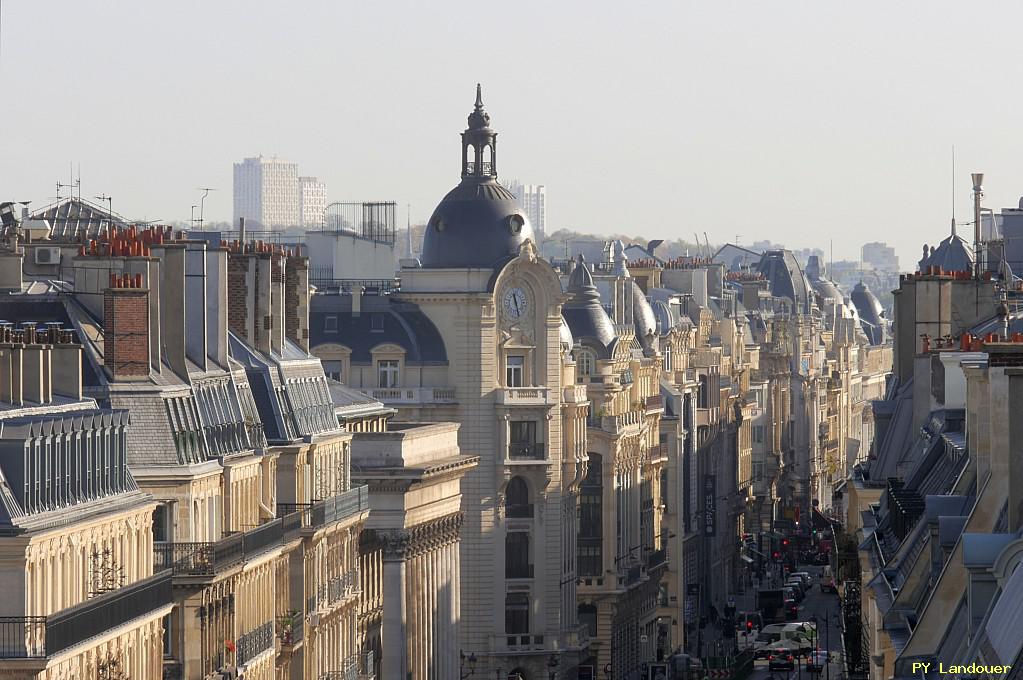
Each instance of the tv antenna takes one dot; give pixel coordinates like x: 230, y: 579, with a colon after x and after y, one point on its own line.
x: 202, y: 204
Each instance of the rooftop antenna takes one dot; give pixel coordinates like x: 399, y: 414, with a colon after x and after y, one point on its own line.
x: 202, y: 204
x: 978, y: 193
x: 953, y: 189
x: 408, y: 228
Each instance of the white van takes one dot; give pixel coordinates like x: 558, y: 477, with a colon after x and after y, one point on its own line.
x: 828, y: 580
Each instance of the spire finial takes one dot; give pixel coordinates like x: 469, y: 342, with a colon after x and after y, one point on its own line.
x: 479, y: 96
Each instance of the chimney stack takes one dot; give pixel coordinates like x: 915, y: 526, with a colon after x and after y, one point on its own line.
x: 126, y: 328
x: 296, y: 300
x: 255, y: 294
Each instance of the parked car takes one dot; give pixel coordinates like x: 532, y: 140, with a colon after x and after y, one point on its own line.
x: 798, y: 588
x: 781, y: 662
x: 791, y: 610
x: 816, y: 660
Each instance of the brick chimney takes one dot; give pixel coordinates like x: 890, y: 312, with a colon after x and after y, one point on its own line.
x: 126, y: 328
x: 255, y: 295
x: 296, y: 300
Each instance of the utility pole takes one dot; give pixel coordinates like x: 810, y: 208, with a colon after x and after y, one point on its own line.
x: 827, y: 643
x: 978, y: 193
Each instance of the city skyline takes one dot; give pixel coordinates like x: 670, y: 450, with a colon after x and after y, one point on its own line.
x: 843, y: 124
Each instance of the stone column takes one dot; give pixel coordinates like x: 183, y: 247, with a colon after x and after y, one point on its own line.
x: 394, y: 633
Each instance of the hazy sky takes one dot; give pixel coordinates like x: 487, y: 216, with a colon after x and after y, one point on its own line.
x: 794, y: 121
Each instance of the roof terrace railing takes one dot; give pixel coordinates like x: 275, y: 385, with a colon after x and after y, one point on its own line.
x: 43, y: 636
x: 210, y: 558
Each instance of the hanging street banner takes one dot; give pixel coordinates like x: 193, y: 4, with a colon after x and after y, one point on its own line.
x: 709, y: 505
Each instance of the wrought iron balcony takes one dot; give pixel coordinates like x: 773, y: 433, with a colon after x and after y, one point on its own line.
x: 630, y: 575
x: 521, y: 511
x: 350, y: 671
x: 210, y: 558
x: 41, y: 636
x: 340, y: 507
x: 518, y: 571
x: 255, y: 642
x: 656, y: 558
x: 527, y: 451
x: 337, y: 588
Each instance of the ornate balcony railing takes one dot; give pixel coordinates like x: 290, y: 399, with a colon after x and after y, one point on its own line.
x: 411, y: 395
x: 336, y: 588
x: 340, y: 507
x: 349, y: 671
x: 526, y: 396
x: 527, y: 450
x: 522, y: 511
x: 518, y: 571
x: 208, y: 559
x: 255, y: 642
x: 42, y: 636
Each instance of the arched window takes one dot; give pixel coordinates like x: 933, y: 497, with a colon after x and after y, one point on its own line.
x: 470, y: 159
x: 488, y: 159
x: 586, y: 360
x: 517, y: 499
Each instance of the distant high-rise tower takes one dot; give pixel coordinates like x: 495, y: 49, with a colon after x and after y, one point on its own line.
x: 266, y: 193
x: 312, y: 201
x: 533, y: 199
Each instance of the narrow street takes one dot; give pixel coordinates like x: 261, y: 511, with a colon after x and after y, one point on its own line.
x: 824, y: 607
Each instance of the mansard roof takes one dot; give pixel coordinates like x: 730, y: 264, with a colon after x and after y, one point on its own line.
x: 382, y: 320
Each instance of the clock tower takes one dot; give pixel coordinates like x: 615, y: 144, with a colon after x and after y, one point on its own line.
x: 497, y: 307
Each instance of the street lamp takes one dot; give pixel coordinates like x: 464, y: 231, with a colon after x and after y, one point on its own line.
x: 471, y: 660
x: 552, y: 665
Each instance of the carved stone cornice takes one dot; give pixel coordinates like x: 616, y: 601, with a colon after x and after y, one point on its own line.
x: 434, y: 534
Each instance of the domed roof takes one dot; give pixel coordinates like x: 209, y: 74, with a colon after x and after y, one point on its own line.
x: 870, y: 312
x: 786, y: 279
x: 666, y: 318
x: 953, y: 254
x: 566, y: 334
x: 643, y: 318
x: 583, y: 312
x: 827, y: 289
x: 479, y: 223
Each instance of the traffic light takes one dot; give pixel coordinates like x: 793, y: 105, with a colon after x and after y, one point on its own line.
x: 776, y: 555
x: 749, y: 625
x: 785, y: 542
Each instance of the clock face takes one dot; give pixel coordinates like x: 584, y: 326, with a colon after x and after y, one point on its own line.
x: 515, y: 303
